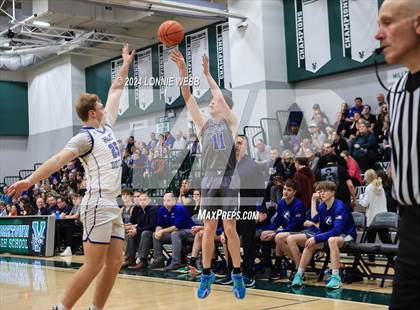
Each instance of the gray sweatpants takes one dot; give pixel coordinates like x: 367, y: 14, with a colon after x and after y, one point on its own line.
x: 175, y: 238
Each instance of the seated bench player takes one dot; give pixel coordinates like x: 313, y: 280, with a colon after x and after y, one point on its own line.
x: 290, y: 216
x: 336, y: 229
x: 140, y: 235
x: 198, y: 231
x: 173, y: 226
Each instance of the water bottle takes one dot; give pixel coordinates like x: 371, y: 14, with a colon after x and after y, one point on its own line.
x: 57, y: 215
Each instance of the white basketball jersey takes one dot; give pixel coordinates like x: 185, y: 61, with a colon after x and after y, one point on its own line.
x: 102, y: 164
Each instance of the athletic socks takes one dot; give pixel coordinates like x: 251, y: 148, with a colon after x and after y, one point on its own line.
x: 206, y: 271
x: 93, y: 307
x: 335, y: 272
x: 236, y: 270
x: 193, y: 261
x: 301, y: 270
x: 59, y: 307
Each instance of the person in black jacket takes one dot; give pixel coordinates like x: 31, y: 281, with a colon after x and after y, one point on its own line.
x: 252, y: 193
x: 139, y: 237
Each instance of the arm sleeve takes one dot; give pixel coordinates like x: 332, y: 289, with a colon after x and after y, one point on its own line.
x: 276, y: 221
x: 337, y: 228
x: 80, y: 144
x: 364, y: 200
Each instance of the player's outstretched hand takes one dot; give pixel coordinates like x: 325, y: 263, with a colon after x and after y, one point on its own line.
x: 126, y: 55
x: 178, y: 59
x: 15, y: 189
x: 206, y: 69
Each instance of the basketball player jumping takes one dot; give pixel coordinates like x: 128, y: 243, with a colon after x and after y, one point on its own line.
x: 220, y: 185
x: 103, y: 232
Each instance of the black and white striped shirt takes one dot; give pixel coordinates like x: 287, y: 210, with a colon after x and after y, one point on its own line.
x: 404, y: 109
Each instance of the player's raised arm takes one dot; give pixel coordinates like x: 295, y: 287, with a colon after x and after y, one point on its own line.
x: 218, y: 95
x: 44, y: 171
x: 117, y: 86
x: 190, y: 101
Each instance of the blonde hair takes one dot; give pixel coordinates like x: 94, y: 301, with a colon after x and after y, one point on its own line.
x: 372, y: 178
x: 84, y: 104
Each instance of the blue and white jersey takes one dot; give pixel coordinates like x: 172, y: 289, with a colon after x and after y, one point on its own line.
x: 98, y: 151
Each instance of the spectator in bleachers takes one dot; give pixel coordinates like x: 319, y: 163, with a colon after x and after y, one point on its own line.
x: 336, y: 228
x: 41, y: 208
x: 272, y: 164
x: 320, y: 123
x: 338, y: 174
x: 70, y: 227
x: 358, y: 107
x: 173, y: 225
x: 127, y: 169
x: 329, y: 132
x: 293, y: 141
x: 289, y: 218
x: 160, y: 168
x: 374, y: 200
x: 317, y: 136
x: 342, y: 121
x: 152, y: 142
x: 263, y: 152
x: 161, y: 143
x: 13, y: 210
x: 353, y: 168
x: 327, y: 151
x: 140, y: 235
x: 305, y: 179
x: 130, y: 143
x: 128, y: 209
x: 276, y: 192
x: 148, y: 171
x: 180, y: 142
x: 312, y: 160
x: 364, y: 147
x: 63, y: 207
x: 287, y: 165
x: 194, y: 207
x: 380, y: 100
x: 338, y: 143
x: 382, y: 123
x: 169, y: 139
x: 366, y: 115
x: 25, y: 206
x: 72, y: 182
x: 354, y: 125
x: 3, y: 197
x: 51, y: 203
x: 3, y: 210
x: 194, y: 145
x: 184, y: 196
x: 316, y: 110
x: 305, y: 145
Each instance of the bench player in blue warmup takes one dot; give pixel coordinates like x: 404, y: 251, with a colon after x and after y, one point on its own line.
x: 336, y: 228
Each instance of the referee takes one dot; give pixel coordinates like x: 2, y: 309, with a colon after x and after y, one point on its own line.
x: 399, y: 34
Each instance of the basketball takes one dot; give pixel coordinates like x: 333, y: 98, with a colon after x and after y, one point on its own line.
x: 170, y: 33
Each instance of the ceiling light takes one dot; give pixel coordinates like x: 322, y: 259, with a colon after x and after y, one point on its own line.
x: 39, y: 23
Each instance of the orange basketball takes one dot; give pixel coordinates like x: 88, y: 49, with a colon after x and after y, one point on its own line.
x: 170, y: 33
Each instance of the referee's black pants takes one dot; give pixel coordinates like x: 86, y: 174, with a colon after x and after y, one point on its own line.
x: 406, y: 286
x: 246, y: 231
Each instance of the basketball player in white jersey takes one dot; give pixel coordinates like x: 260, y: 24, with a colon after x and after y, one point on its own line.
x: 103, y: 230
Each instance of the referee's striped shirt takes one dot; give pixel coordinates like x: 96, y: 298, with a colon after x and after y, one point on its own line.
x: 404, y: 135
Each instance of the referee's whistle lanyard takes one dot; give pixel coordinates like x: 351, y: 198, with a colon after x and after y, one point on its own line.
x: 378, y: 51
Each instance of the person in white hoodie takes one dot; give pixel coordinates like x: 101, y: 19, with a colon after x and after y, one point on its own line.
x: 374, y: 200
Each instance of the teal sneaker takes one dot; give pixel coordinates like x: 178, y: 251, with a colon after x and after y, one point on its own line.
x: 206, y: 281
x: 297, y: 279
x: 335, y: 282
x: 239, y: 289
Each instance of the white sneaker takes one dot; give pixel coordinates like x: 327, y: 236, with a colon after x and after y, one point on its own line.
x: 67, y: 252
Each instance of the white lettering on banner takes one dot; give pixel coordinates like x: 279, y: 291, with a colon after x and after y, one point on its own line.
x: 301, y: 42
x: 346, y: 23
x: 14, y: 231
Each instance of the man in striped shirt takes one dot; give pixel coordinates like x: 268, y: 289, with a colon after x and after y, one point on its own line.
x: 399, y: 34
